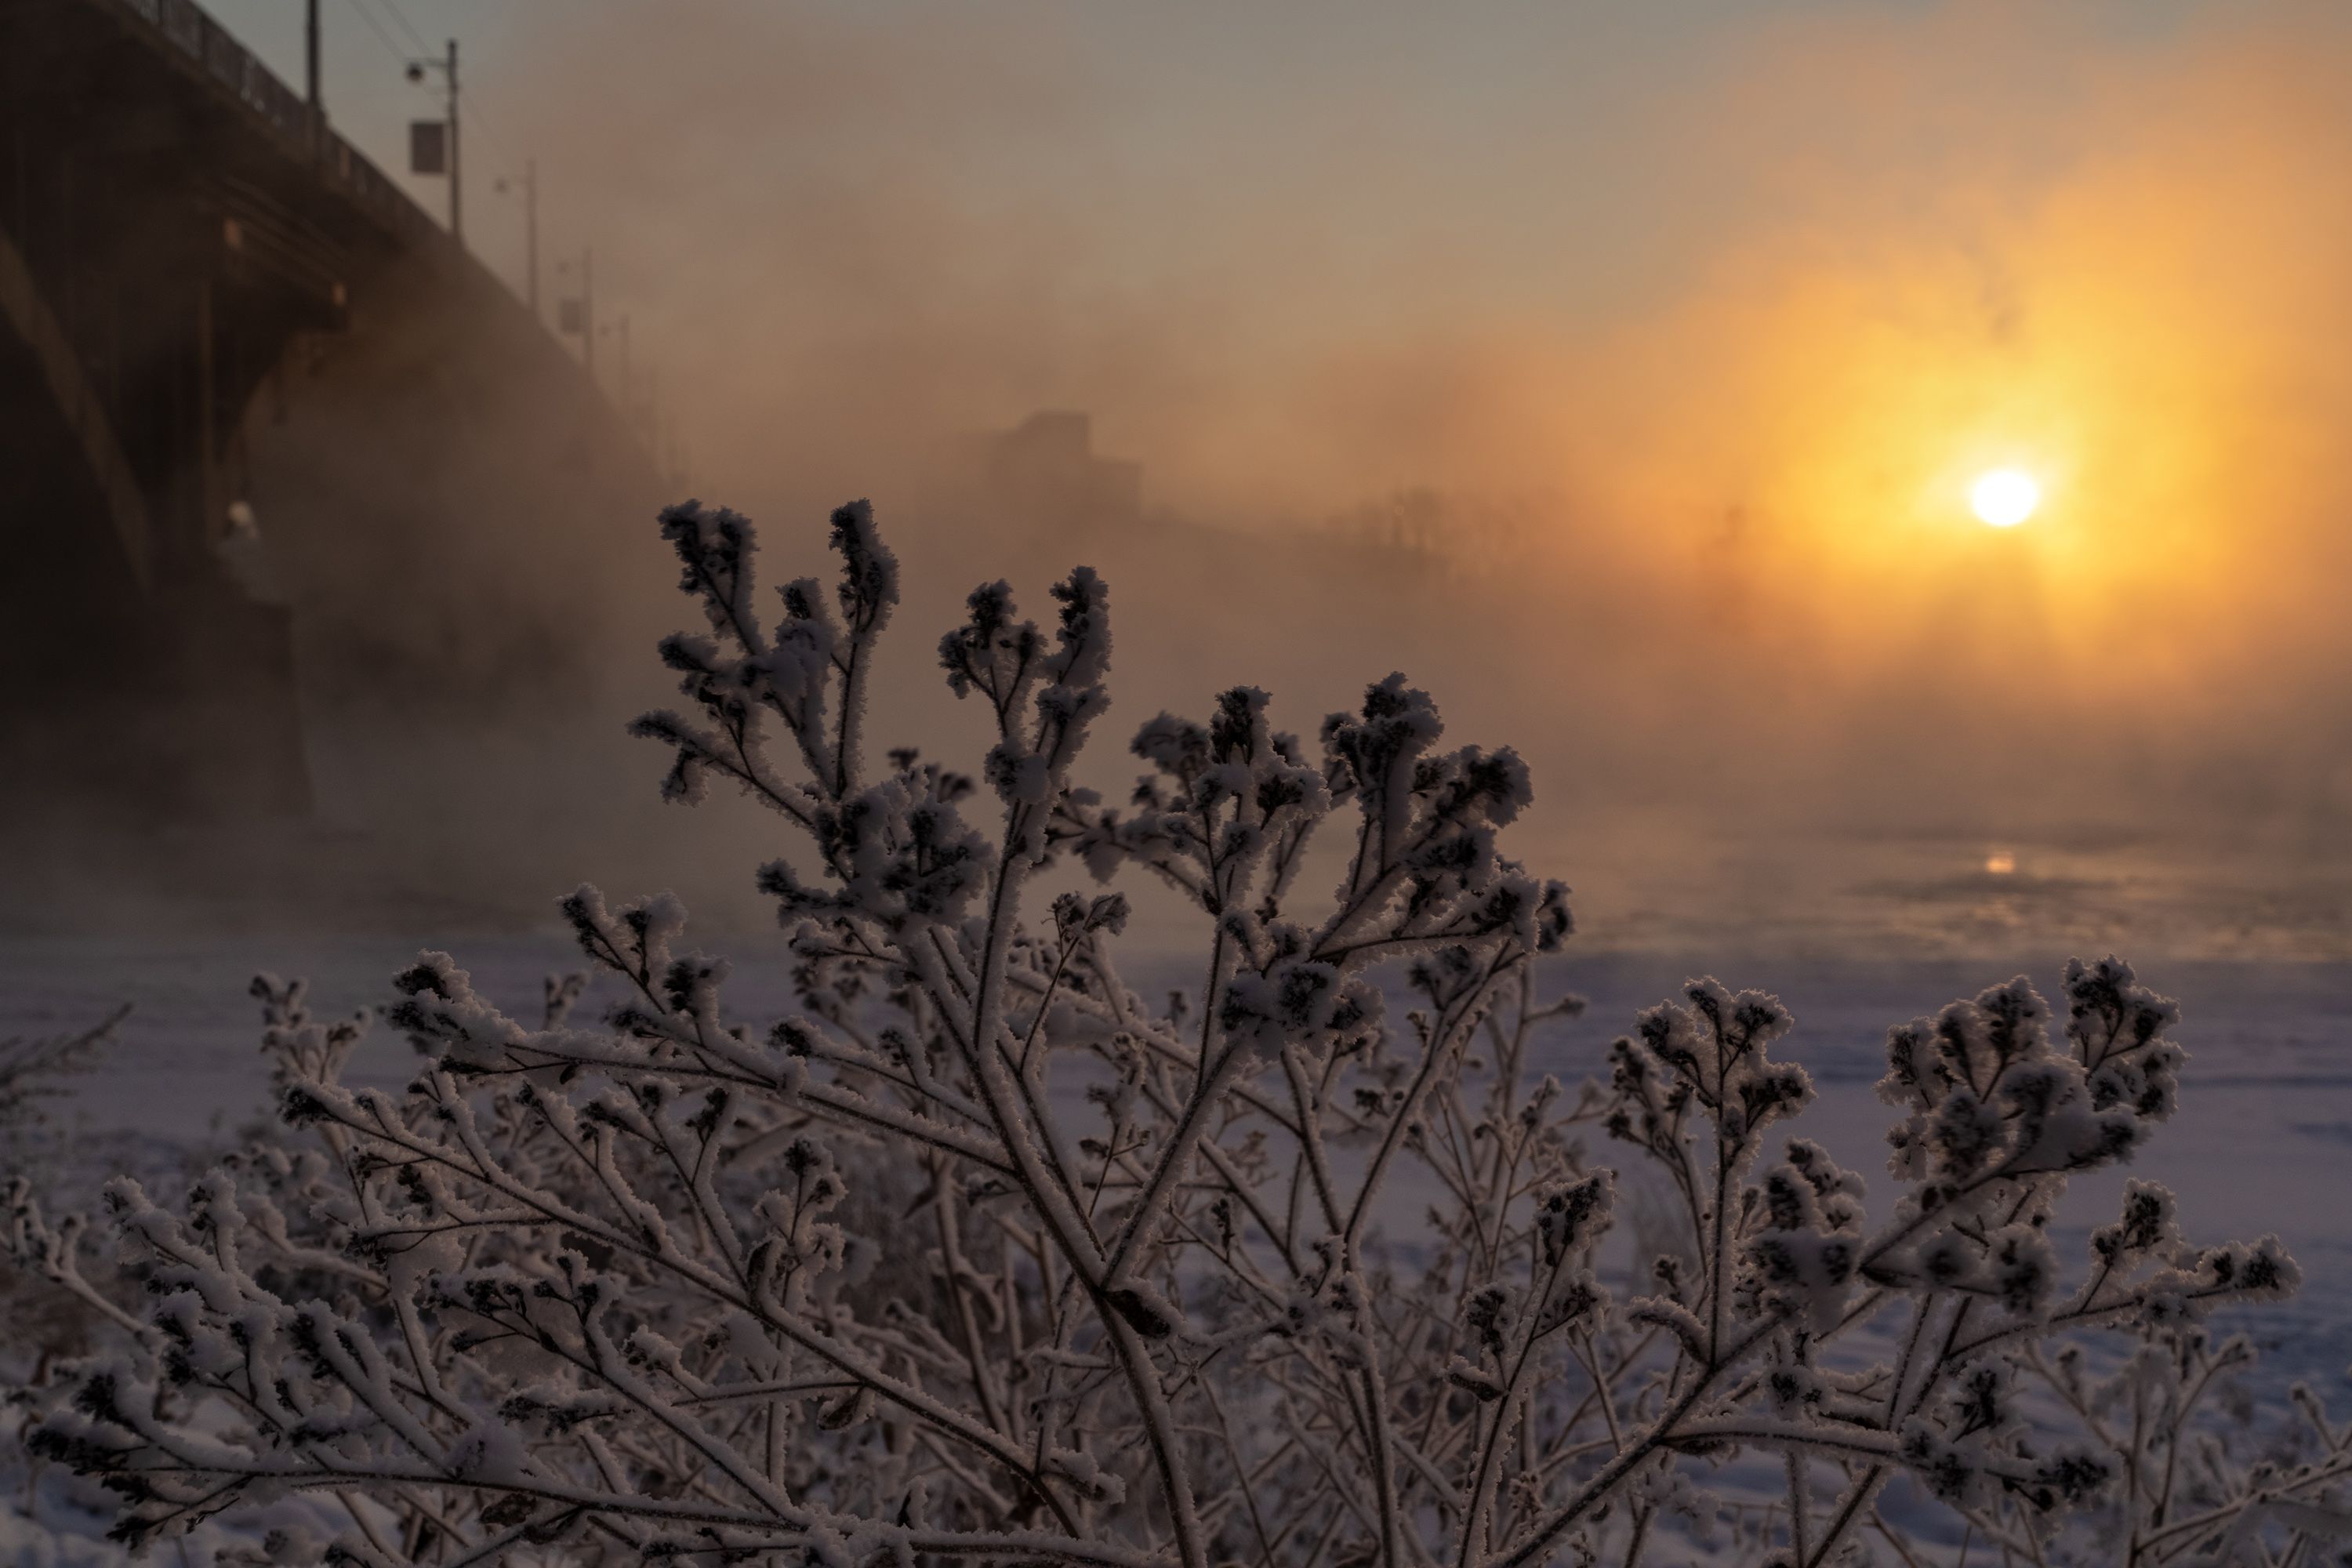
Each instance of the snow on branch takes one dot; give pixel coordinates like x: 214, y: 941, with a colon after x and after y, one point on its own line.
x: 977, y: 1255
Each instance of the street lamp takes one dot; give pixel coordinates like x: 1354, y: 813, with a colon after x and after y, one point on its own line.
x: 433, y: 144
x: 530, y: 231
x: 575, y: 314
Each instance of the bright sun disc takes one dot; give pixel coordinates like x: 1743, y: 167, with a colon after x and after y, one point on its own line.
x: 2005, y: 497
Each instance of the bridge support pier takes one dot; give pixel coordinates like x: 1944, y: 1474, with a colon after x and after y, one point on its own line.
x: 148, y: 282
x: 176, y: 227
x: 138, y: 679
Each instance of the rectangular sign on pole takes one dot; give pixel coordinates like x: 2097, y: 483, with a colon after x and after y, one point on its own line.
x: 428, y: 147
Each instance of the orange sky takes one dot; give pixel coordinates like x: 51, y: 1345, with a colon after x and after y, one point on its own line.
x: 1741, y: 295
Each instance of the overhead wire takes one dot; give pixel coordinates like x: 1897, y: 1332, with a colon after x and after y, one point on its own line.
x: 473, y: 117
x: 468, y: 104
x: 390, y: 47
x: 400, y: 19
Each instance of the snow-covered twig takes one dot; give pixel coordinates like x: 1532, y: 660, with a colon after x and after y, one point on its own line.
x: 975, y: 1255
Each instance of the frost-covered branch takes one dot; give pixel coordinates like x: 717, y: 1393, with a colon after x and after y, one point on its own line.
x: 975, y: 1254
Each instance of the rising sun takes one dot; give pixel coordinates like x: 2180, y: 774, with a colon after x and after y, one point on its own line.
x: 2004, y: 498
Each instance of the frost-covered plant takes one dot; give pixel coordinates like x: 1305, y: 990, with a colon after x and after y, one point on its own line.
x: 33, y: 1070
x: 979, y: 1256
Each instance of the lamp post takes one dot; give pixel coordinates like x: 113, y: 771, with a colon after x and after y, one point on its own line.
x: 530, y: 233
x: 575, y: 314
x: 310, y: 67
x: 448, y: 69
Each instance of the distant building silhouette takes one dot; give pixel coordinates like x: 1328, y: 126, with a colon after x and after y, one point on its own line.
x: 1429, y: 532
x: 1044, y: 471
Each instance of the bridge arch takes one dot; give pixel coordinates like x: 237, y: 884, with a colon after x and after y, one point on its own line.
x: 208, y: 296
x: 41, y: 339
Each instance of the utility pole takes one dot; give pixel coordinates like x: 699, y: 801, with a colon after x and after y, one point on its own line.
x: 530, y: 233
x: 456, y: 208
x: 310, y: 60
x: 430, y: 154
x: 624, y: 364
x: 575, y: 314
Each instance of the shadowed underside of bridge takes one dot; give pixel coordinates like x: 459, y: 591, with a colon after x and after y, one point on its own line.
x: 206, y: 298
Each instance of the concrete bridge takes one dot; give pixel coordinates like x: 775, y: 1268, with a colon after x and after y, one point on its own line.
x: 215, y: 313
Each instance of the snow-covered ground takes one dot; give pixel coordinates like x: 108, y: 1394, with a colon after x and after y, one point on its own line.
x: 2263, y: 1142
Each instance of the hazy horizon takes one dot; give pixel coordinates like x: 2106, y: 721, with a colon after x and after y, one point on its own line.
x: 1721, y: 306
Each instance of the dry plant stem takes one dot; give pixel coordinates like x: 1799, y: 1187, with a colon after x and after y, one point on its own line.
x: 975, y: 1257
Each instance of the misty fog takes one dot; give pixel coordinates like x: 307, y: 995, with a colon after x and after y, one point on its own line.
x: 1591, y: 369
x: 1879, y: 463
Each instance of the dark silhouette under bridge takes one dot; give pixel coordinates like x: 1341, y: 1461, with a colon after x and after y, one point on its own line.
x: 214, y: 310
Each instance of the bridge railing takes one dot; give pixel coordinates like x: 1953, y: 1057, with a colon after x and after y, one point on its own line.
x: 183, y: 27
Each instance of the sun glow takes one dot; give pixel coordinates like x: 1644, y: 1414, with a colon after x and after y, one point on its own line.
x: 2004, y: 498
